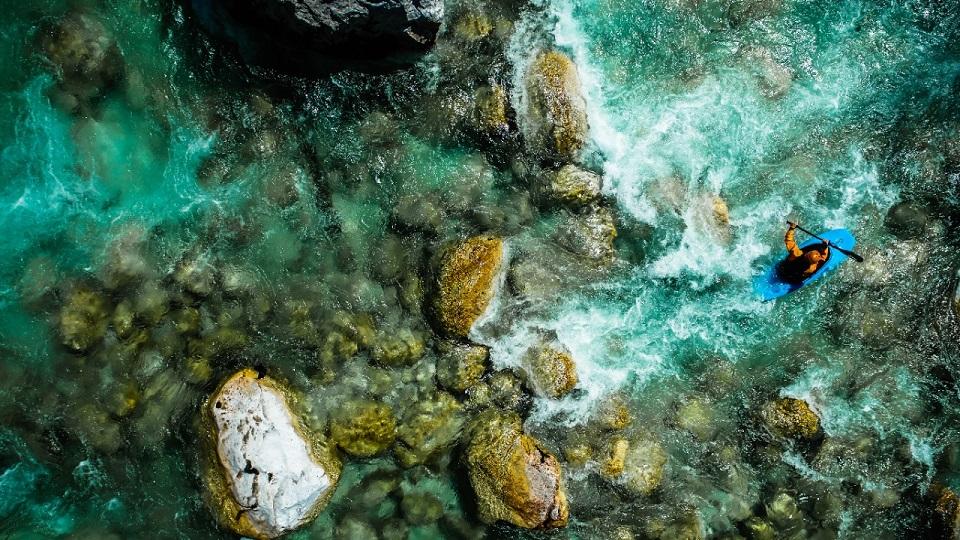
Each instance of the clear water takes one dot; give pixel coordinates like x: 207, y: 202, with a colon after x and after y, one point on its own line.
x: 829, y: 112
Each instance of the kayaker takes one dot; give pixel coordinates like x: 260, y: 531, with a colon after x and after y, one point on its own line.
x: 801, y: 264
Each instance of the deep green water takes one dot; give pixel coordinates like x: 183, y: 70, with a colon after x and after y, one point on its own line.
x: 830, y: 112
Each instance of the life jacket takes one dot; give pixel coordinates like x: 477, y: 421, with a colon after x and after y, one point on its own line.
x: 792, y: 270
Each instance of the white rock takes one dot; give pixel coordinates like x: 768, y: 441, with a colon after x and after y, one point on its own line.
x: 272, y: 473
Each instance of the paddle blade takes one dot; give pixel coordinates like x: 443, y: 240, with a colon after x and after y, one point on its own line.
x: 848, y: 253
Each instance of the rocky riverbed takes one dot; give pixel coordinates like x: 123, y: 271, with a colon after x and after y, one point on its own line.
x: 415, y: 269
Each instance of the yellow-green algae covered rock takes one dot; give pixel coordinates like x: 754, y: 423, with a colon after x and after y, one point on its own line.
x: 557, y: 111
x: 514, y: 478
x: 465, y: 282
x: 792, y: 419
x: 364, y: 428
x: 551, y: 370
x: 264, y: 474
x: 83, y: 319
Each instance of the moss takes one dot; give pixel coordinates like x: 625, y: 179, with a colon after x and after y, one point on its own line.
x: 552, y: 370
x: 644, y: 466
x: 614, y: 460
x: 400, y: 348
x: 460, y: 367
x: 428, y: 427
x: 559, y: 110
x: 514, y: 478
x: 465, y: 283
x: 491, y: 110
x: 83, y: 319
x: 364, y: 428
x: 473, y: 26
x: 792, y: 418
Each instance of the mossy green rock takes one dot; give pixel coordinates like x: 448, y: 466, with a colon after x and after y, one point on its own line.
x: 428, y: 427
x: 461, y: 366
x: 557, y: 111
x: 364, y: 428
x: 83, y: 319
x: 465, y: 283
x: 792, y: 418
x: 514, y: 477
x: 551, y: 370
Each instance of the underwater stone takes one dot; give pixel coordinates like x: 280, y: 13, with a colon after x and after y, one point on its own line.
x: 123, y: 319
x: 792, y: 419
x: 264, y: 475
x: 363, y: 428
x: 461, y: 366
x: 760, y: 529
x: 96, y: 428
x: 946, y: 506
x: 557, y: 112
x: 465, y: 283
x: 613, y: 413
x: 644, y: 466
x: 426, y: 428
x: 399, y: 348
x: 571, y: 186
x: 83, y: 318
x: 615, y: 460
x: 472, y: 26
x: 589, y: 235
x: 421, y: 508
x: 355, y: 528
x: 697, y: 417
x: 308, y: 36
x: 550, y: 369
x: 514, y: 477
x: 85, y: 56
x: 907, y: 220
x: 491, y: 110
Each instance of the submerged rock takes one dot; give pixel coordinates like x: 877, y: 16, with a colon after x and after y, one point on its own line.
x: 792, y: 418
x: 428, y: 427
x: 551, y: 369
x: 465, y: 283
x: 400, y: 348
x: 491, y: 113
x: 946, y: 511
x: 264, y: 475
x: 570, y: 186
x: 305, y: 36
x: 907, y: 220
x: 589, y: 235
x: 461, y: 366
x: 514, y: 478
x: 86, y: 58
x: 643, y: 466
x: 83, y: 319
x: 557, y: 112
x: 363, y: 428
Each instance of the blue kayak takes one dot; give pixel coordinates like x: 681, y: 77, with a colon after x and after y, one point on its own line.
x: 769, y: 285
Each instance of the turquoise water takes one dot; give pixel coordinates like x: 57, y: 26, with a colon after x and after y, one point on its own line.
x: 284, y: 204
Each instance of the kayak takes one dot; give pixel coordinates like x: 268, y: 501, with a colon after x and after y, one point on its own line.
x: 769, y: 285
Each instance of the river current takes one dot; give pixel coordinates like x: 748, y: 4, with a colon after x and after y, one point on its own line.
x: 290, y: 202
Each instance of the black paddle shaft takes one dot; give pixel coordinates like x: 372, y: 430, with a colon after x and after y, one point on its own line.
x: 846, y: 252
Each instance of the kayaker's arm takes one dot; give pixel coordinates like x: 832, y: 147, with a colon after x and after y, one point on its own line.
x: 790, y: 241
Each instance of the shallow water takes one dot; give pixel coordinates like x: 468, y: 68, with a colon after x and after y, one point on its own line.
x: 286, y: 210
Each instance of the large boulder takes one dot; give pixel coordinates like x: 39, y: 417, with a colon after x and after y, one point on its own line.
x: 570, y: 186
x: 514, y: 478
x: 264, y: 474
x: 792, y: 418
x: 550, y: 369
x: 465, y: 283
x: 304, y: 36
x: 556, y: 115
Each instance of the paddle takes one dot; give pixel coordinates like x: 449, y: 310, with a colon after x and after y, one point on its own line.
x: 846, y: 252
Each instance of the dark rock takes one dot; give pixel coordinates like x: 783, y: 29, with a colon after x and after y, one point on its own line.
x: 906, y: 220
x: 308, y: 36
